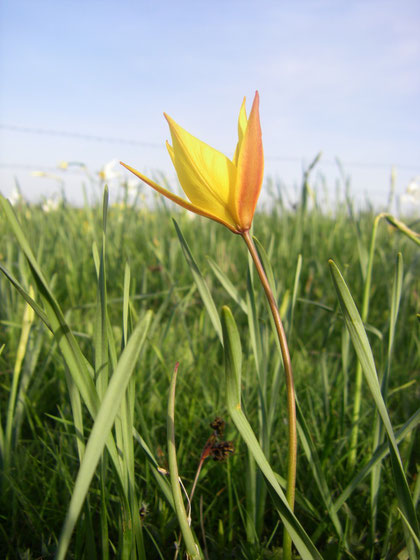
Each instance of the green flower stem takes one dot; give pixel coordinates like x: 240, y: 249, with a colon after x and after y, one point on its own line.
x: 414, y: 236
x: 359, y: 374
x: 190, y: 544
x: 411, y: 234
x: 291, y: 404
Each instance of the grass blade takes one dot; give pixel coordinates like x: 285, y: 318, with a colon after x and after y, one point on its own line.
x: 201, y: 284
x: 53, y: 317
x: 65, y: 339
x: 315, y: 464
x: 364, y: 353
x: 380, y: 453
x: 102, y: 428
x: 233, y: 362
x: 191, y: 545
x: 378, y: 434
x: 227, y: 284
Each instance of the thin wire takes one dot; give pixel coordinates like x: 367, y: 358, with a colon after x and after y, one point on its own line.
x: 66, y: 134
x: 115, y: 140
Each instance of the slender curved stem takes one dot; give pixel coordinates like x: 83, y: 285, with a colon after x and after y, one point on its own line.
x: 190, y: 544
x: 290, y: 387
x: 359, y: 373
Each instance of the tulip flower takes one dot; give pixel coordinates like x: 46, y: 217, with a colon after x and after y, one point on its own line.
x: 218, y: 188
x: 227, y: 191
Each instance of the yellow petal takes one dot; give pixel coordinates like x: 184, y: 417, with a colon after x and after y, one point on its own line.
x: 250, y: 168
x: 184, y: 203
x: 242, y: 122
x: 206, y: 175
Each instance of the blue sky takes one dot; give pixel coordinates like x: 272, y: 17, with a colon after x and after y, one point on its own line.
x: 341, y: 77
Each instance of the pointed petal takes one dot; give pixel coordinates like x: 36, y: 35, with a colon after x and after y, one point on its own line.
x: 242, y: 122
x: 181, y: 202
x: 206, y: 175
x: 250, y: 168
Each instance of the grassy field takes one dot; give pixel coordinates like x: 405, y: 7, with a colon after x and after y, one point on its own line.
x: 121, y: 299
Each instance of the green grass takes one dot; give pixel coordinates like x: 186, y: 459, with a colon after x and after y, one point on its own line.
x: 126, y: 301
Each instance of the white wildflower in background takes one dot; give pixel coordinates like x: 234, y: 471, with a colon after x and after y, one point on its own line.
x: 64, y: 165
x: 410, y: 200
x: 50, y: 205
x: 108, y: 172
x: 412, y: 192
x: 15, y: 197
x: 68, y: 166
